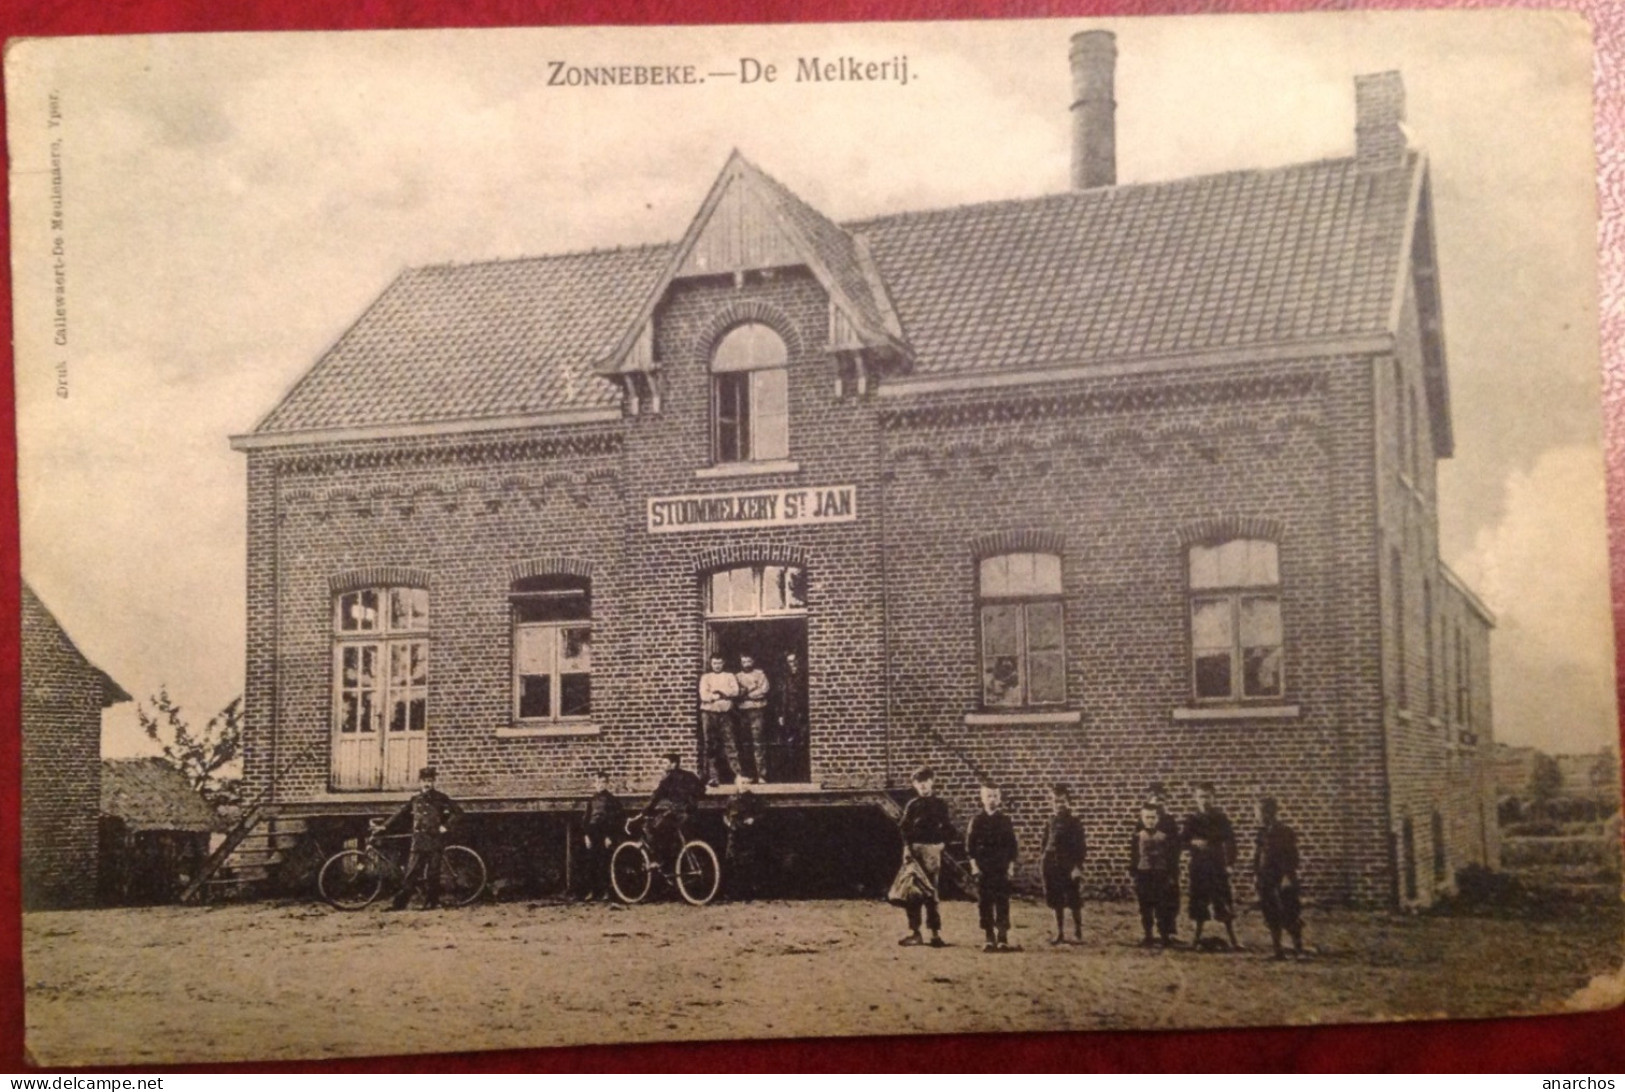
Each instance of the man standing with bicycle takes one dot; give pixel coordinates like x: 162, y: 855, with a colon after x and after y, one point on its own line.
x: 432, y: 813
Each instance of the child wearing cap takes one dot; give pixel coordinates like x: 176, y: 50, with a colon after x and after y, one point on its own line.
x: 1062, y: 864
x: 602, y: 822
x: 1154, y: 865
x: 1275, y: 865
x: 925, y: 828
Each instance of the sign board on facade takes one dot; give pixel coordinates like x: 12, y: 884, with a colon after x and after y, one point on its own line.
x: 754, y: 508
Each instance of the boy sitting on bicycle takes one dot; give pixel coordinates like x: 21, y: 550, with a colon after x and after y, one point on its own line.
x: 432, y: 814
x: 668, y: 809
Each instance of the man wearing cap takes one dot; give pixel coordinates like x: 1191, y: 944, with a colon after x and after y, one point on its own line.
x: 925, y: 828
x: 668, y: 809
x: 431, y: 813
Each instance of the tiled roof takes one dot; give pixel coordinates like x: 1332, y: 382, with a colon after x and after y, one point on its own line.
x: 1224, y: 261
x: 150, y: 794
x: 1248, y: 258
x: 490, y: 339
x: 36, y: 614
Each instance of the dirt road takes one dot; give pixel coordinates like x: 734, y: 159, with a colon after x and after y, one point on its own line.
x: 269, y: 981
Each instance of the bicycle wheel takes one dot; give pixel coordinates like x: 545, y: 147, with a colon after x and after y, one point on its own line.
x: 351, y: 879
x: 462, y: 875
x: 630, y: 872
x: 698, y: 874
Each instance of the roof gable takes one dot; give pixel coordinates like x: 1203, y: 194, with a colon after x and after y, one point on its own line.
x: 39, y: 622
x: 750, y: 221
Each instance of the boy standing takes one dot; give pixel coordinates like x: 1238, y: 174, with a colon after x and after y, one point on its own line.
x: 718, y: 689
x: 1154, y: 863
x: 925, y: 829
x: 746, y: 842
x: 1275, y: 863
x: 1212, y: 841
x: 601, y: 824
x: 1063, y: 853
x: 990, y: 843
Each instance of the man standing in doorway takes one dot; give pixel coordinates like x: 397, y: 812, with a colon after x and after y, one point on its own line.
x: 718, y: 689
x: 792, y: 706
x: 752, y: 717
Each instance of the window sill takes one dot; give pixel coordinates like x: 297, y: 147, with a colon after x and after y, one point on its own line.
x: 745, y: 470
x: 1062, y: 716
x: 1238, y: 712
x: 526, y: 731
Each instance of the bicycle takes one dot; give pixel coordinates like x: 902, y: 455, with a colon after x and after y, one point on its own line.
x: 697, y: 874
x: 353, y: 878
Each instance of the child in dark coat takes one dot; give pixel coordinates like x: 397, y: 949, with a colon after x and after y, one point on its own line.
x: 1063, y: 853
x: 1154, y: 864
x: 1275, y: 864
x: 990, y: 843
x: 602, y: 824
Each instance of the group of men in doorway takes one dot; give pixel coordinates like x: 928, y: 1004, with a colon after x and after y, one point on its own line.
x: 1155, y: 847
x: 737, y: 731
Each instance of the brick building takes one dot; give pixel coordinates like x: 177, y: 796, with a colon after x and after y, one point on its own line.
x: 1122, y: 484
x: 63, y: 698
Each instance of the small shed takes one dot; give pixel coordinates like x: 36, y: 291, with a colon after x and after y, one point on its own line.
x: 154, y: 832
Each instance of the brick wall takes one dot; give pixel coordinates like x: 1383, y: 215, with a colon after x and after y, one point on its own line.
x: 469, y: 513
x: 1121, y: 471
x: 1437, y: 764
x: 61, y: 755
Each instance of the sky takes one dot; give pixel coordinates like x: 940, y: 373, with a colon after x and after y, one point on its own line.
x: 231, y: 203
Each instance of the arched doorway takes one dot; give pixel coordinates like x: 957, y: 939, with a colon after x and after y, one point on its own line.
x: 760, y: 611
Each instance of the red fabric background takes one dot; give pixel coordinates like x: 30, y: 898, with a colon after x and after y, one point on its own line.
x: 1591, y: 1043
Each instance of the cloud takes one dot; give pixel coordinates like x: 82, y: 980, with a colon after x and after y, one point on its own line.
x: 1544, y: 569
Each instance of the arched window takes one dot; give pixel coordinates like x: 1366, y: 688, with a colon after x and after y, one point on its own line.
x: 750, y: 396
x: 756, y: 591
x: 380, y: 686
x: 1023, y: 630
x: 552, y: 649
x: 1235, y: 604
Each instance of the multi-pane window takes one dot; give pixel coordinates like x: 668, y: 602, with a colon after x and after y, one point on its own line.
x: 1235, y: 604
x: 755, y: 591
x: 382, y: 648
x: 552, y: 649
x: 1023, y: 630
x: 750, y: 418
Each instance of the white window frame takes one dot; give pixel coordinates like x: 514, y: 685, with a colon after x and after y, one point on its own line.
x: 763, y: 370
x: 555, y: 630
x: 1234, y: 595
x: 1024, y: 600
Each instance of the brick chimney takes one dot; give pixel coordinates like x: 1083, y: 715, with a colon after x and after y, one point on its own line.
x: 1094, y: 110
x: 1379, y: 110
